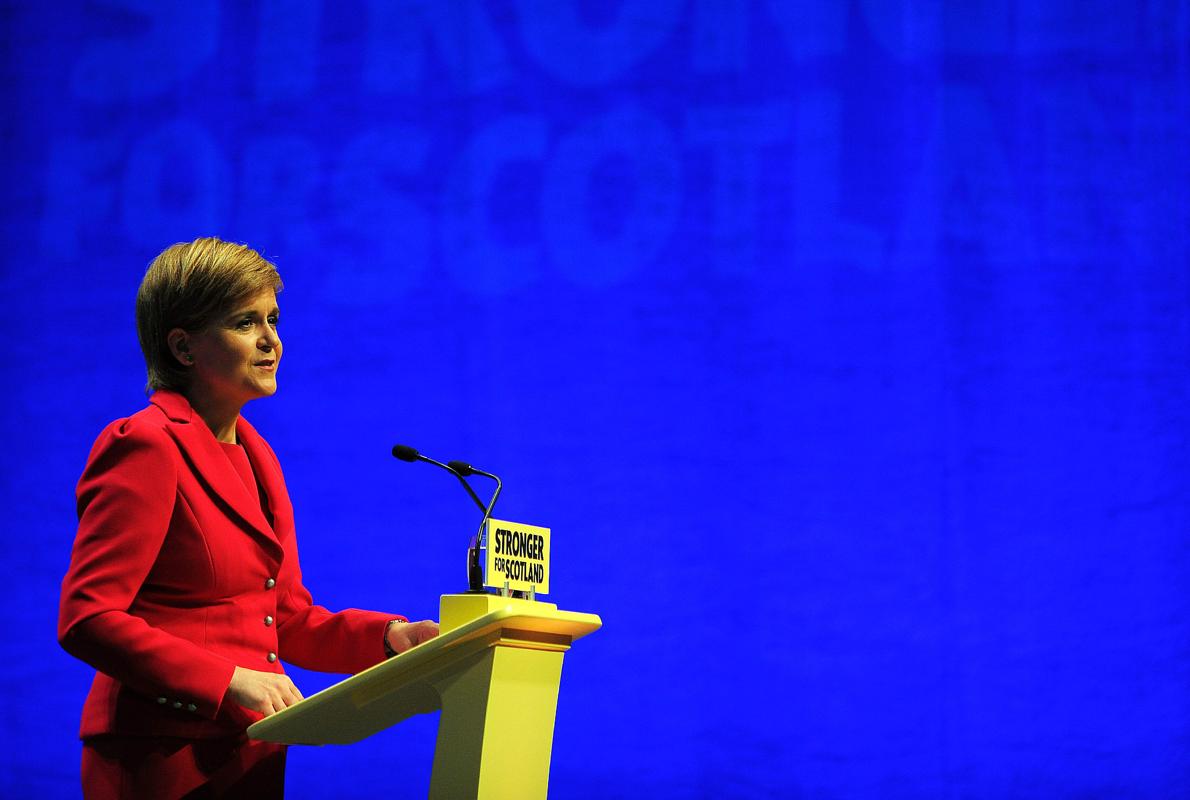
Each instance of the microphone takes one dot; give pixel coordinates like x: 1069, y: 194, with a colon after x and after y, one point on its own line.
x: 474, y: 568
x: 407, y: 453
x: 465, y: 469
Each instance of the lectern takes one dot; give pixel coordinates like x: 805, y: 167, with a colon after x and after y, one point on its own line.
x: 494, y: 671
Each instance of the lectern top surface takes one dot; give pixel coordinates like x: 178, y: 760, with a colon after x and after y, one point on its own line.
x: 352, y: 709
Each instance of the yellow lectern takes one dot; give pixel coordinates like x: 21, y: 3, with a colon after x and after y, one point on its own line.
x: 494, y: 670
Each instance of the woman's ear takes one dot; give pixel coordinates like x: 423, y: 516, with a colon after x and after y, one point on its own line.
x: 179, y: 344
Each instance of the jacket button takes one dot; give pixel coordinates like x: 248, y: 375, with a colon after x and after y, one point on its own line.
x: 177, y: 704
x: 270, y: 583
x: 161, y: 700
x: 268, y: 620
x: 272, y: 657
x: 192, y: 708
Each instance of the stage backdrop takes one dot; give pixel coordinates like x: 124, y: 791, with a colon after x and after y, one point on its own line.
x: 843, y: 345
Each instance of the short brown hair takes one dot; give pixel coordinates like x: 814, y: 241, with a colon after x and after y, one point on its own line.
x: 187, y: 286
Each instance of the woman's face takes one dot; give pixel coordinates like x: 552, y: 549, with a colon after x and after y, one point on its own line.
x: 236, y: 356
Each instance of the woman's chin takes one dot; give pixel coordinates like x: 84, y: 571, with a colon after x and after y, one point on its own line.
x: 261, y: 389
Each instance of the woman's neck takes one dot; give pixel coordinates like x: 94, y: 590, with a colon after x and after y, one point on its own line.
x: 221, y: 418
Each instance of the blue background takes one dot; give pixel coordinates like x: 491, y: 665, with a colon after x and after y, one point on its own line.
x: 842, y: 345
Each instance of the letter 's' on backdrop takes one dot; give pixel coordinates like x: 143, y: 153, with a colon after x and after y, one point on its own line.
x: 842, y: 346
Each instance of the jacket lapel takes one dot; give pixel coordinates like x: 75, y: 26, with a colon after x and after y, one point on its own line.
x: 268, y: 473
x: 210, y: 464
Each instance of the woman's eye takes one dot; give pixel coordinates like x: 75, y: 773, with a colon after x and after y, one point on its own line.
x: 244, y: 324
x: 274, y: 320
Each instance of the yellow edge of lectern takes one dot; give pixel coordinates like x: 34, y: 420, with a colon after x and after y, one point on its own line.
x: 494, y: 671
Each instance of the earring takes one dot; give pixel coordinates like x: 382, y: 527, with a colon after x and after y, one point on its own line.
x: 189, y: 359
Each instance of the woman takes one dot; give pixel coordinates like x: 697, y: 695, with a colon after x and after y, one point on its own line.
x: 184, y: 589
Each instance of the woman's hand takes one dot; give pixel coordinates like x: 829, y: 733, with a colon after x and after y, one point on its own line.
x: 403, y: 635
x: 266, y: 692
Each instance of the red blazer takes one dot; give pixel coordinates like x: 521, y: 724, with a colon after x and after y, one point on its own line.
x: 176, y: 578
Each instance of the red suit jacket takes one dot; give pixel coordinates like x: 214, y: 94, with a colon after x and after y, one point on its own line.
x: 177, y: 577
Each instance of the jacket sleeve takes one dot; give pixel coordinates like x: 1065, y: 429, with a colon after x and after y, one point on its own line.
x: 126, y: 498
x: 314, y: 638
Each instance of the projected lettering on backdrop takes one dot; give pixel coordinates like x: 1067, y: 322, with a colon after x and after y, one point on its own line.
x: 362, y: 145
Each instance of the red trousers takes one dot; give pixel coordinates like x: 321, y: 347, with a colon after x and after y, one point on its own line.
x: 151, y: 767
